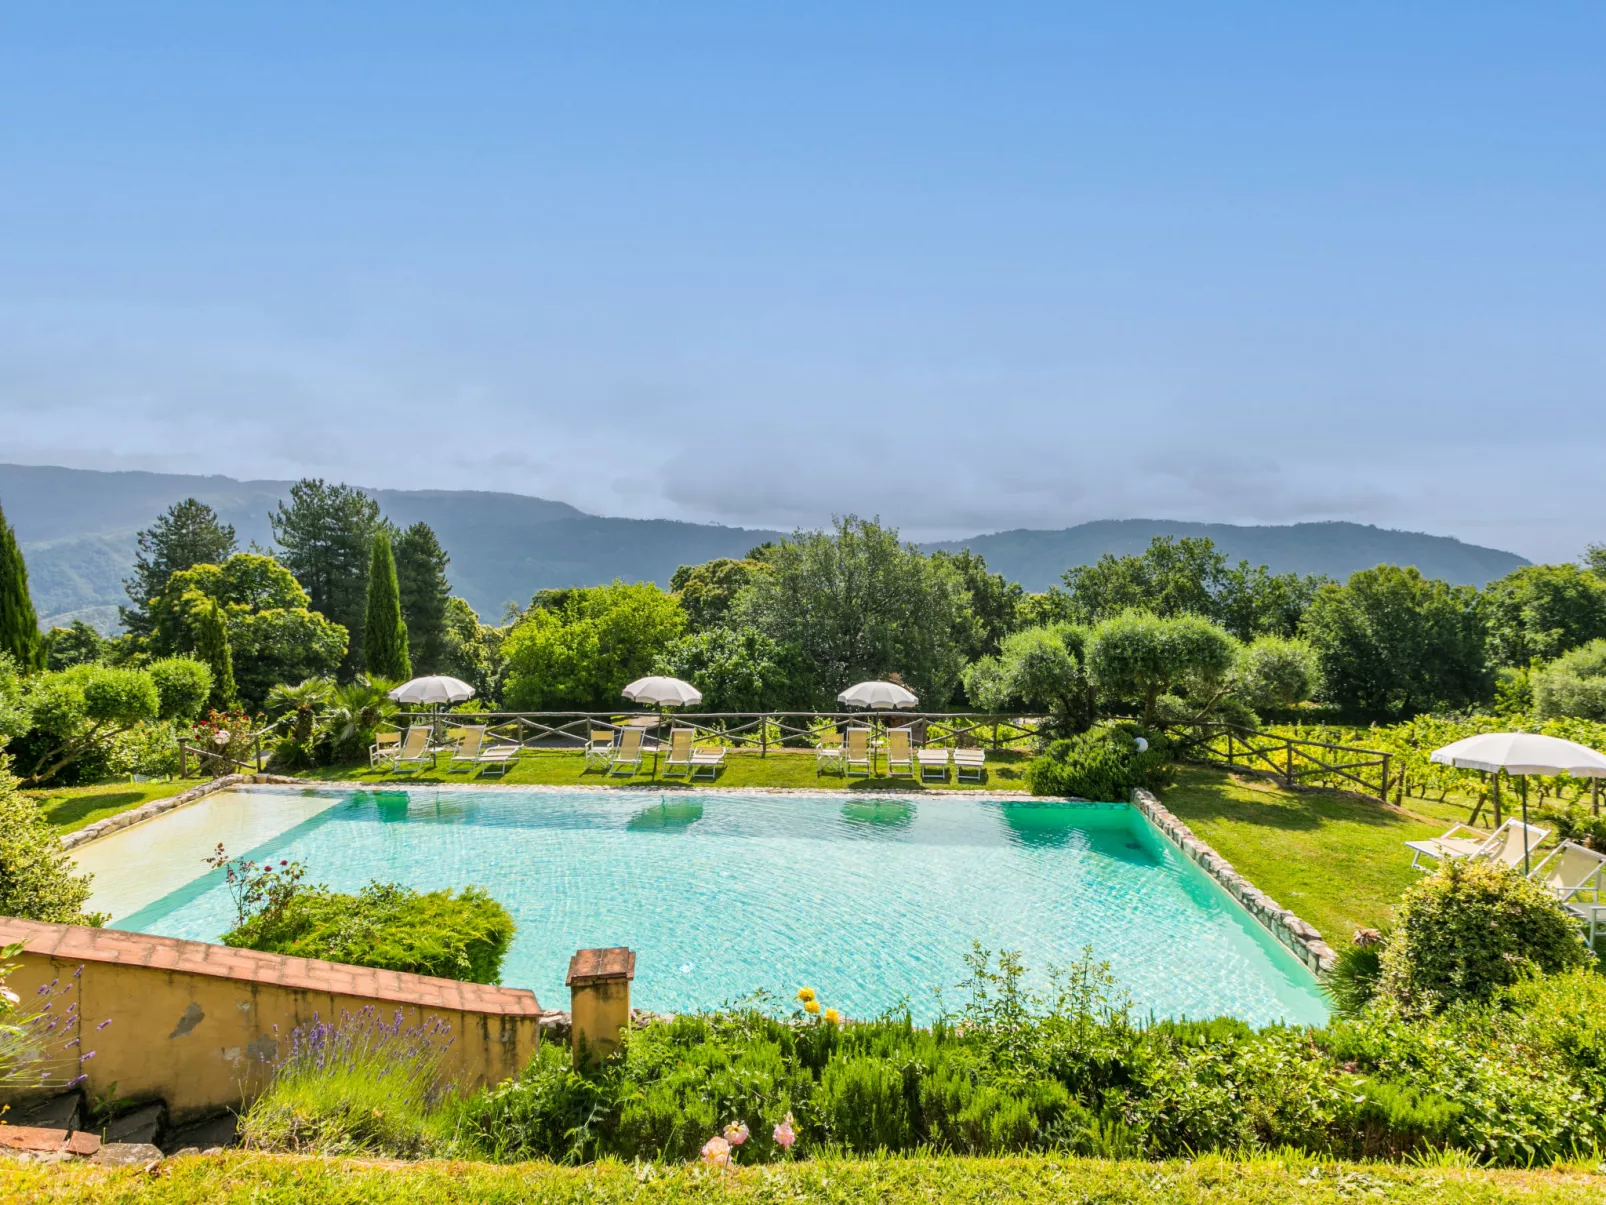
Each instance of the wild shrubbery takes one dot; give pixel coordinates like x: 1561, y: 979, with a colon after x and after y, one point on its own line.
x: 1514, y: 1080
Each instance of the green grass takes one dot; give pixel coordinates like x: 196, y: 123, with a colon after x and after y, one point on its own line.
x: 1338, y: 862
x: 1005, y: 772
x: 72, y: 808
x: 289, y: 1180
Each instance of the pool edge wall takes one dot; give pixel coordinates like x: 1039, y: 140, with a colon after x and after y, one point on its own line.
x: 198, y: 1025
x: 1297, y: 935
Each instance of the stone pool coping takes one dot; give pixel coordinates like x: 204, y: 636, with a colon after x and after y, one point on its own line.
x: 1298, y: 935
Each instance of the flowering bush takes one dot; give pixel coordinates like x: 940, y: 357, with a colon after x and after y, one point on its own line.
x: 226, y: 738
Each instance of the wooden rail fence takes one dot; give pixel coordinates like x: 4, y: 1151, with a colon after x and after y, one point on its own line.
x: 1291, y: 759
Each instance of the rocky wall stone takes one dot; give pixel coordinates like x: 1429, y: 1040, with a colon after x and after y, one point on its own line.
x: 1290, y: 930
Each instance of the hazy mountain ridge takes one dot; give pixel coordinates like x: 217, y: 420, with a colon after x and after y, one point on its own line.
x: 77, y: 528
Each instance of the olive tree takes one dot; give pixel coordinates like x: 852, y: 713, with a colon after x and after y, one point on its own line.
x: 1137, y: 657
x: 1043, y: 669
x: 81, y: 711
x: 1276, y: 672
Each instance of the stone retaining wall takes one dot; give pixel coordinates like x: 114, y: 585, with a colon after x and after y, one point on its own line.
x: 1282, y: 924
x: 157, y: 806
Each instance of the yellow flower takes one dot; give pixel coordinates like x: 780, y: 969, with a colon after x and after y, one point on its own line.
x: 805, y: 994
x: 811, y: 1007
x: 833, y: 1016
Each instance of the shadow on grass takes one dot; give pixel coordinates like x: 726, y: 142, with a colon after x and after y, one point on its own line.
x: 71, y: 811
x: 1202, y: 794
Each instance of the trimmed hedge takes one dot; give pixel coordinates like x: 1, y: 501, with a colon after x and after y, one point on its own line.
x: 452, y: 936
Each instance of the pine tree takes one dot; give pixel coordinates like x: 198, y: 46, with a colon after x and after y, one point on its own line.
x: 212, y: 647
x: 189, y: 534
x: 425, y: 592
x: 19, y: 623
x: 384, y: 644
x: 324, y: 535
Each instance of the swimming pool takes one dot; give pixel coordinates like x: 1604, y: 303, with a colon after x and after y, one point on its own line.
x: 869, y: 899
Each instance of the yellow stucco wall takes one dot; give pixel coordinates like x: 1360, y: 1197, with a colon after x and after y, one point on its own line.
x: 203, y: 1041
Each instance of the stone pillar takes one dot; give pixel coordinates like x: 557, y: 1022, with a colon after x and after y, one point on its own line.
x: 599, y: 1000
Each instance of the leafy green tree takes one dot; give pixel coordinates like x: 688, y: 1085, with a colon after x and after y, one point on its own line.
x: 1543, y: 611
x: 857, y: 604
x: 79, y: 644
x: 736, y: 670
x: 325, y: 534
x: 1039, y: 610
x: 38, y: 880
x: 1190, y: 576
x: 384, y: 633
x: 212, y: 649
x: 19, y: 623
x: 1137, y: 657
x: 183, y: 687
x: 190, y: 533
x: 994, y: 602
x: 80, y: 712
x: 706, y: 591
x: 1276, y: 673
x: 1595, y: 559
x: 1392, y: 643
x: 579, y: 648
x: 272, y: 635
x: 1573, y: 685
x: 1041, y: 669
x: 425, y: 593
x: 472, y: 651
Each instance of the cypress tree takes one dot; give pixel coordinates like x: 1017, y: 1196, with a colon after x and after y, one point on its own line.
x: 425, y: 593
x: 212, y: 647
x: 384, y: 640
x: 19, y: 623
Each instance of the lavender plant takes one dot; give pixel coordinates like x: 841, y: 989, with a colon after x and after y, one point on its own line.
x: 363, y: 1083
x: 42, y: 1041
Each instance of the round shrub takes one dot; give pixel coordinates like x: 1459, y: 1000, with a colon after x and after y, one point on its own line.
x: 1469, y: 929
x: 1103, y: 764
x: 183, y: 686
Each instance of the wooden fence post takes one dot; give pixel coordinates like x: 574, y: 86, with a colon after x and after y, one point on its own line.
x: 1383, y: 795
x: 1288, y: 772
x: 763, y: 736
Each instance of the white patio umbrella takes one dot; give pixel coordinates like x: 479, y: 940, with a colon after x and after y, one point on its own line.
x: 878, y: 696
x: 1522, y: 753
x: 435, y: 690
x: 662, y: 693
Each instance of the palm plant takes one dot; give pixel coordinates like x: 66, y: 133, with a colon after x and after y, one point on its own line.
x: 305, y: 702
x: 359, y: 707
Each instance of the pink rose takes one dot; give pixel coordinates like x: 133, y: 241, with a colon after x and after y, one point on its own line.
x: 717, y: 1152
x: 736, y: 1133
x: 784, y: 1134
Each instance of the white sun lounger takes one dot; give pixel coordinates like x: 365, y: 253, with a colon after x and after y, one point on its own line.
x: 933, y: 762
x: 1504, y: 845
x: 970, y: 763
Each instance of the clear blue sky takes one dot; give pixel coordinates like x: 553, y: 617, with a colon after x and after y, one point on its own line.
x: 968, y: 267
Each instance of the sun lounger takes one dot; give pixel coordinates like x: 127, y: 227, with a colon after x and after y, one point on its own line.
x: 680, y: 751
x: 467, y: 749
x: 1463, y: 841
x: 383, y: 749
x: 627, y: 752
x: 412, y: 752
x: 858, y: 751
x: 970, y: 763
x: 932, y: 762
x: 830, y: 754
x: 599, y: 749
x: 899, y: 753
x: 1508, y: 847
x: 709, y: 759
x: 498, y: 757
x: 1571, y: 871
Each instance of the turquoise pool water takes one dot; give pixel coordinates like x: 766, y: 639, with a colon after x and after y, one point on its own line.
x: 869, y: 901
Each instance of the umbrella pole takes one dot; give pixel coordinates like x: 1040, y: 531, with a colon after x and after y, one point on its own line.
x: 1594, y: 797
x: 1523, y: 789
x: 1496, y: 795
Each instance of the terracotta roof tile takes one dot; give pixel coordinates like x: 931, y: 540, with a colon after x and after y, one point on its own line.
x: 76, y: 943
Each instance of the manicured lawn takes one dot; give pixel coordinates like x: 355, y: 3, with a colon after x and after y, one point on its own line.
x: 1337, y: 861
x: 779, y: 769
x: 284, y: 1180
x: 71, y: 808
